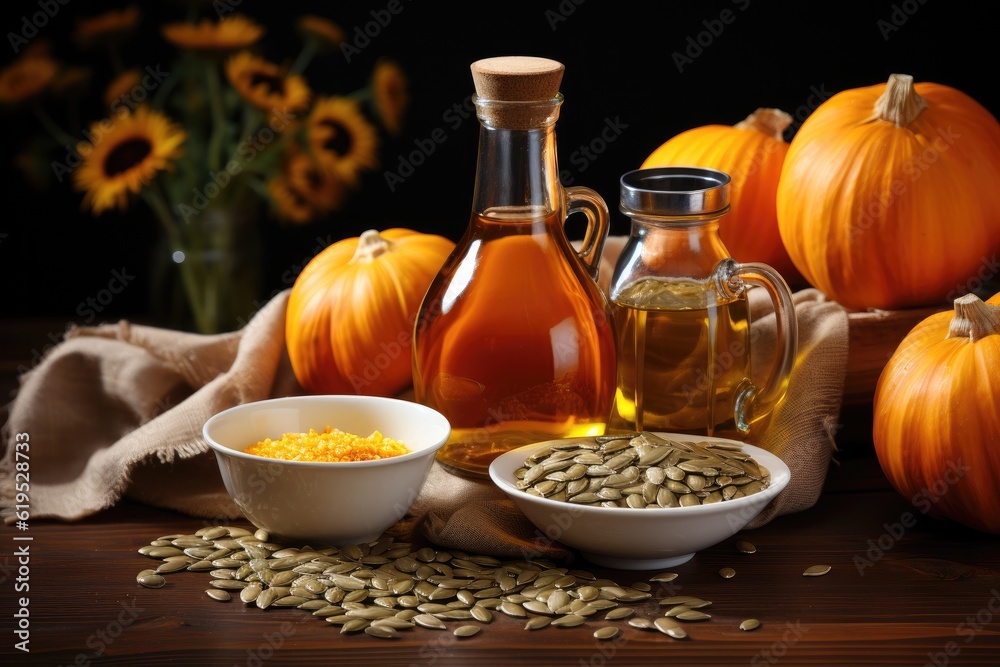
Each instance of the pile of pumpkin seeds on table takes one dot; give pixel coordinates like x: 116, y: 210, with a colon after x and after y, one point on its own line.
x: 384, y: 587
x: 641, y: 470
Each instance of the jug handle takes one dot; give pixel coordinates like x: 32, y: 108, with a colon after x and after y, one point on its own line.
x: 584, y: 200
x: 731, y: 279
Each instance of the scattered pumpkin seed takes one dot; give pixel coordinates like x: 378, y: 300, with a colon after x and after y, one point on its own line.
x: 164, y: 552
x: 727, y: 573
x: 569, y: 621
x: 150, y: 579
x: 641, y: 623
x: 746, y: 547
x: 267, y: 597
x: 750, y: 624
x: 381, y: 631
x: 189, y: 542
x: 537, y: 622
x: 172, y: 566
x: 354, y: 625
x: 669, y: 627
x: 512, y: 609
x: 313, y: 605
x: 619, y: 613
x: 385, y: 587
x: 693, y: 615
x: 250, y: 593
x: 466, y: 630
x: 816, y: 571
x: 429, y: 621
x: 370, y: 613
x: 328, y: 611
x: 289, y: 601
x: 212, y: 533
x: 481, y: 614
x: 201, y: 566
x: 688, y: 601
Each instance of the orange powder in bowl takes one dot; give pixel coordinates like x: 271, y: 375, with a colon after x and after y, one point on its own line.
x: 330, y: 446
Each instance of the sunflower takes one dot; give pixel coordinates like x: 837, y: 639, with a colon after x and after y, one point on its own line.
x: 26, y: 79
x: 304, y: 191
x: 390, y: 95
x: 324, y: 32
x: 265, y: 85
x: 107, y: 29
x: 342, y: 140
x: 291, y: 205
x: 228, y: 34
x: 321, y: 188
x: 121, y: 86
x: 124, y: 159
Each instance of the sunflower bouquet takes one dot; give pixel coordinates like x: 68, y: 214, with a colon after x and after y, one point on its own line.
x: 222, y: 139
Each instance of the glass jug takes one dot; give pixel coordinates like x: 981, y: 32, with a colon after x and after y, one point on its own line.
x: 682, y: 316
x: 514, y: 341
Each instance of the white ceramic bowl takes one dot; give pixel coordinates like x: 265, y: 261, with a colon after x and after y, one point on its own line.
x: 325, y: 503
x: 638, y: 539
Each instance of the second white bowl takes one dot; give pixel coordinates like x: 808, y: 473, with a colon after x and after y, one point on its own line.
x: 638, y: 539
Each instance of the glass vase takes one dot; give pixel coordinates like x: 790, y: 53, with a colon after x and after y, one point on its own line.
x: 208, y: 279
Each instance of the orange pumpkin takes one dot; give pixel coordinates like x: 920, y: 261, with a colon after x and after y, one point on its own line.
x: 350, y: 315
x: 888, y: 196
x: 752, y: 153
x: 937, y: 415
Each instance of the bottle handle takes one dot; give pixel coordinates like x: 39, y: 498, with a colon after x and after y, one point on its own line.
x: 584, y: 200
x: 731, y: 279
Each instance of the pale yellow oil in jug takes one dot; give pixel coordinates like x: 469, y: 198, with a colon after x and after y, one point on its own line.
x: 682, y: 354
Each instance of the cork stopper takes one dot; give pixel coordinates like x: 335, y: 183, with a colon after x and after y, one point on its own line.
x: 517, y: 78
x: 507, y: 85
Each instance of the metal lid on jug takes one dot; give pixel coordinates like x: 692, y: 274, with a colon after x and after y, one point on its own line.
x: 675, y: 191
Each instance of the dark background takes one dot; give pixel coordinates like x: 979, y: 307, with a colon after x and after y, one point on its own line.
x: 619, y: 68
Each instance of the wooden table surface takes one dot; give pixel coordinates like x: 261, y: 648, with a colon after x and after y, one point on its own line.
x: 900, y: 592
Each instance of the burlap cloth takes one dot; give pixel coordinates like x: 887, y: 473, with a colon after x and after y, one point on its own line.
x: 116, y: 411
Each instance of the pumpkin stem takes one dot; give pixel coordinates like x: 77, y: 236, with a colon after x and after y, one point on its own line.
x: 900, y: 103
x: 370, y: 246
x: 974, y: 319
x: 772, y: 122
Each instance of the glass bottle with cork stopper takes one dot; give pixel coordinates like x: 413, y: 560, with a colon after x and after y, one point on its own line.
x: 514, y: 341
